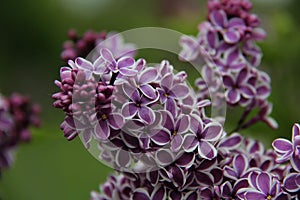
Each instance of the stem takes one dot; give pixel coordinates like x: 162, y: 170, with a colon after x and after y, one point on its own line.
x: 113, y: 78
x: 244, y: 116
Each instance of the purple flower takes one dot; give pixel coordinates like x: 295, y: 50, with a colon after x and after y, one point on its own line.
x: 90, y: 68
x: 171, y: 90
x: 289, y: 150
x: 177, y: 128
x: 263, y: 185
x: 139, y: 105
x: 240, y: 165
x: 232, y: 29
x: 123, y: 65
x: 203, y: 138
x: 238, y: 88
x: 107, y: 120
x: 232, y: 60
x: 143, y: 82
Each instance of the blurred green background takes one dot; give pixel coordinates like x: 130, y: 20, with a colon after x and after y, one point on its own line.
x: 31, y: 36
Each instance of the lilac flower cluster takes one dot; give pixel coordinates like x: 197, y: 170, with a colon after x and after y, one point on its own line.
x: 227, y: 43
x: 17, y: 114
x: 152, y: 128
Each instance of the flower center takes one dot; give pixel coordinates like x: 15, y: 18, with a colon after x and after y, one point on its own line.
x: 174, y: 133
x: 269, y: 197
x: 167, y: 95
x: 138, y: 105
x: 104, y: 117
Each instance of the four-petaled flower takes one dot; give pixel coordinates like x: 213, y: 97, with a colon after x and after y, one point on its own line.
x: 124, y: 65
x: 232, y: 29
x: 139, y: 105
x: 238, y: 88
x: 287, y: 150
x: 203, y: 137
x: 263, y: 186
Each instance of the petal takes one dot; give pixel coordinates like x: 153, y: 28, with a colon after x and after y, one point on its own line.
x: 228, y: 81
x: 140, y: 194
x: 127, y: 71
x: 250, y: 195
x: 196, y: 124
x: 159, y: 193
x: 148, y: 75
x: 258, y: 34
x: 180, y: 90
x: 296, y: 130
x: 212, y: 38
x: 84, y: 64
x: 174, y: 195
x: 148, y: 91
x: 264, y: 182
x: 176, y: 143
x: 204, y: 178
x: 131, y: 92
x: 182, y: 124
x: 161, y: 137
x: 207, y: 150
x: 107, y: 55
x: 146, y: 114
x: 116, y: 121
x: 164, y: 157
x: 240, y: 164
x: 178, y: 176
x: 236, y: 22
x: 212, y: 132
x: 295, y: 161
x: 231, y: 142
x: 263, y: 91
x: 123, y: 158
x: 282, y: 145
x: 129, y: 110
x: 190, y: 142
x: 232, y: 96
x: 226, y: 190
x: 125, y: 62
x: 102, y: 131
x: 186, y: 160
x: 247, y: 91
x: 167, y: 82
x: 290, y: 183
x: 231, y: 36
x: 171, y: 106
x: 218, y: 18
x: 242, y: 76
x: 99, y: 66
x: 230, y: 173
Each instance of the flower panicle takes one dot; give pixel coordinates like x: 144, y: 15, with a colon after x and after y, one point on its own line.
x: 17, y: 115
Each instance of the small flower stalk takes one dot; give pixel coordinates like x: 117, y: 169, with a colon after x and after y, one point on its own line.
x: 151, y: 126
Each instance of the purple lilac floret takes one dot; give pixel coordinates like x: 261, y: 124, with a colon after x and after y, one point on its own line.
x: 227, y: 43
x: 17, y: 115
